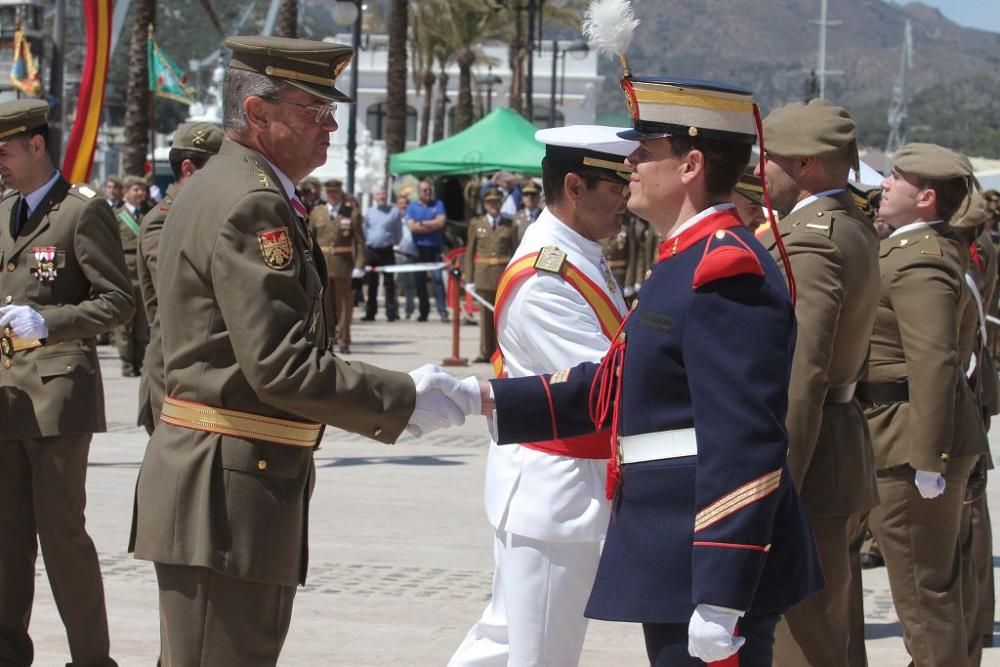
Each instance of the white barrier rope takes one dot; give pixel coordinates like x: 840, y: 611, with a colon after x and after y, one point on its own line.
x: 472, y: 290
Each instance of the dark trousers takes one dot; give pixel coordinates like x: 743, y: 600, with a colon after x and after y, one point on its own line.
x: 487, y: 328
x: 381, y: 257
x: 42, y: 501
x: 132, y: 337
x: 430, y: 254
x: 667, y: 643
x: 210, y: 620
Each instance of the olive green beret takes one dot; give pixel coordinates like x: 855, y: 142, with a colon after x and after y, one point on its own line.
x: 751, y: 186
x: 19, y: 116
x: 131, y: 180
x: 198, y: 138
x: 809, y: 129
x: 975, y: 213
x: 937, y: 163
x: 306, y: 64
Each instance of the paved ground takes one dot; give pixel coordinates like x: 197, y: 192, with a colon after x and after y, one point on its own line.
x: 400, y: 548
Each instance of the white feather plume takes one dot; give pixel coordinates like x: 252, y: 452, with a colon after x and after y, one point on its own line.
x: 609, y: 25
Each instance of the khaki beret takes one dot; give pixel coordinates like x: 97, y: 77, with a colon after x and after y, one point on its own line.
x: 492, y: 194
x: 751, y: 186
x: 198, y: 138
x: 19, y: 116
x: 809, y: 129
x: 531, y: 188
x: 131, y: 180
x: 937, y: 163
x: 306, y: 64
x: 975, y: 214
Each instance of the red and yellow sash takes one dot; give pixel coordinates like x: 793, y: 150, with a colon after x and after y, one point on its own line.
x: 596, y: 445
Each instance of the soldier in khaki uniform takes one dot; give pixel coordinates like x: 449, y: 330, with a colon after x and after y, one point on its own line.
x: 493, y: 238
x: 310, y: 191
x: 223, y: 493
x: 618, y: 250
x: 193, y: 144
x: 532, y: 208
x: 916, y: 398
x: 63, y: 282
x: 132, y: 337
x: 642, y: 254
x: 337, y: 228
x: 833, y: 251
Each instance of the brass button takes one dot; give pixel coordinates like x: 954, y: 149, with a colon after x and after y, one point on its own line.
x: 262, y: 464
x: 7, y: 363
x: 649, y: 272
x: 377, y: 431
x: 10, y: 266
x: 9, y: 299
x: 903, y: 241
x: 819, y: 214
x: 944, y: 456
x: 720, y: 234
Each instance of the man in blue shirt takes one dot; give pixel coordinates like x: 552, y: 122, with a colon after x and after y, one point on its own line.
x: 383, y: 226
x: 425, y: 218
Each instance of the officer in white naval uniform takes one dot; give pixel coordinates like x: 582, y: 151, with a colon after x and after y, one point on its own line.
x: 557, y: 305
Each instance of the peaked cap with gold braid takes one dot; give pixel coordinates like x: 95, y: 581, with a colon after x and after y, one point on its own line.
x: 310, y: 65
x: 19, y: 116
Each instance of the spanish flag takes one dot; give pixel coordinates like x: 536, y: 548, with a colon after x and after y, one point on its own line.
x: 80, y: 147
x: 24, y: 72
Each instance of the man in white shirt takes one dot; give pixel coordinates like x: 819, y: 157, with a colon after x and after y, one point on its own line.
x: 549, y: 510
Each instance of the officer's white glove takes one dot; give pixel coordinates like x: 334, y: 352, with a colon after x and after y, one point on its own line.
x: 628, y: 291
x: 24, y: 321
x: 433, y: 409
x: 929, y: 484
x: 637, y: 287
x: 710, y: 633
x: 357, y: 273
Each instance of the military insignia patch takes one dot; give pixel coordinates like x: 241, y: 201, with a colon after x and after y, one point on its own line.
x: 275, y: 247
x: 550, y: 259
x: 560, y: 376
x: 86, y: 192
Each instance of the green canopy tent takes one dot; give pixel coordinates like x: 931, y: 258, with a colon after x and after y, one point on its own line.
x: 502, y: 140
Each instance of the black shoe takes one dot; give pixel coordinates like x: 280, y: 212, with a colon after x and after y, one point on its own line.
x: 988, y: 641
x: 480, y: 360
x: 871, y: 561
x: 392, y: 319
x: 445, y: 318
x: 422, y: 318
x: 368, y: 318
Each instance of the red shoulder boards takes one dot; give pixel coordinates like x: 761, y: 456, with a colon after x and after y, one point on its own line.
x: 725, y: 261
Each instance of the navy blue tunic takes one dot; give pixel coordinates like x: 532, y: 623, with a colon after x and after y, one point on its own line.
x: 725, y: 527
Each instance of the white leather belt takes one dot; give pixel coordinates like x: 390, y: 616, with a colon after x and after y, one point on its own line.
x: 658, y: 445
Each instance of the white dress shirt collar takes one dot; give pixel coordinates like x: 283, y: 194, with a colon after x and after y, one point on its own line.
x: 35, y: 198
x: 811, y: 198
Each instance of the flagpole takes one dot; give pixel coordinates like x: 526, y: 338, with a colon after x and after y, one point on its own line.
x: 152, y: 115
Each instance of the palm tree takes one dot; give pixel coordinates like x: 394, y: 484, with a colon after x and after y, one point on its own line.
x: 288, y: 18
x: 137, y: 95
x: 395, y: 85
x: 443, y: 101
x: 426, y: 47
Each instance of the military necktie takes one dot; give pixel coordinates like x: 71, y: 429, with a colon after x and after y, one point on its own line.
x: 21, y: 218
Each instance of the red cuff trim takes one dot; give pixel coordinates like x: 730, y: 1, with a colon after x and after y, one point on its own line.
x: 552, y: 409
x: 731, y: 545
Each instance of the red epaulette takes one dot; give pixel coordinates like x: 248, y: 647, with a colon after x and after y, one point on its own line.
x: 725, y: 261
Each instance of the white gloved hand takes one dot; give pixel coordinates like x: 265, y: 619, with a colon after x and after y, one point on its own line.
x: 628, y: 291
x: 929, y: 484
x: 710, y: 633
x: 24, y: 321
x: 432, y: 411
x: 637, y: 287
x: 357, y: 273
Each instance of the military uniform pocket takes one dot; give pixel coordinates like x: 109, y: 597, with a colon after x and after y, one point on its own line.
x: 63, y: 364
x: 264, y: 459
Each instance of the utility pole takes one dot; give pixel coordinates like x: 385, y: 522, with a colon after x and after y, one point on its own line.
x: 898, y: 127
x: 821, y: 70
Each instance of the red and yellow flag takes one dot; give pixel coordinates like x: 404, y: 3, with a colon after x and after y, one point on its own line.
x: 79, y: 156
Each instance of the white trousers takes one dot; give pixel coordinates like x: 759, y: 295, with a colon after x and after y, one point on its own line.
x: 535, y: 617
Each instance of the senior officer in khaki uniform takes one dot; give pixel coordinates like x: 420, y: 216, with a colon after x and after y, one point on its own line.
x: 223, y: 494
x: 63, y: 282
x: 916, y: 397
x: 193, y: 144
x: 337, y: 229
x: 132, y: 337
x: 833, y: 250
x: 493, y: 238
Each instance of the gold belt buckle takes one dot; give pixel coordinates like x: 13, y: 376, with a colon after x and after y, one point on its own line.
x: 7, y: 343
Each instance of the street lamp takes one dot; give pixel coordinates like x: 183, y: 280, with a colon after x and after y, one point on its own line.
x: 348, y: 13
x: 489, y: 81
x: 578, y: 45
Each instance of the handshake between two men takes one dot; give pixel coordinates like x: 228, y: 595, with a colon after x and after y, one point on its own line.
x: 443, y: 400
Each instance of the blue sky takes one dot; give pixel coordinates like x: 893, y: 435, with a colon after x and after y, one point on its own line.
x: 982, y: 14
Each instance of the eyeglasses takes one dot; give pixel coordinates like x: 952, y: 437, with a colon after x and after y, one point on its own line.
x: 323, y: 112
x: 617, y: 185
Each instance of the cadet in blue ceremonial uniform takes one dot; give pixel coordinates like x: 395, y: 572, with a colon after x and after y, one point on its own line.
x: 708, y: 542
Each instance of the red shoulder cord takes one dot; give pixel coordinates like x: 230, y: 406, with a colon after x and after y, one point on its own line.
x: 608, y: 385
x: 770, y: 211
